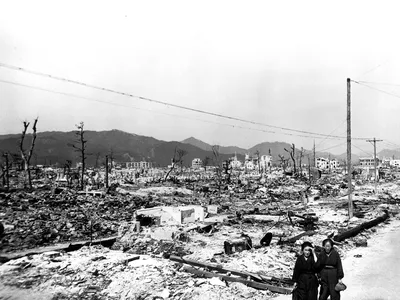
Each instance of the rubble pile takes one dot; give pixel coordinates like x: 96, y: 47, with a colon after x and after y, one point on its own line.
x: 41, y: 218
x: 228, y: 241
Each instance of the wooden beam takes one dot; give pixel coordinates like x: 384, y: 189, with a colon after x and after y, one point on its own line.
x: 4, y: 257
x: 221, y: 269
x: 253, y: 284
x: 356, y: 230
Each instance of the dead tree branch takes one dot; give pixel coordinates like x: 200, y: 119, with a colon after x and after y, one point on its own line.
x: 27, y: 154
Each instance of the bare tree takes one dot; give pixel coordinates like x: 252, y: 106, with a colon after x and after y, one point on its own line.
x: 227, y: 170
x: 292, y: 154
x: 97, y: 160
x: 80, y: 146
x: 111, y: 158
x: 27, y: 154
x: 258, y: 161
x: 181, y: 154
x: 218, y: 165
x: 300, y: 160
x: 67, y: 172
x: 178, y: 157
x: 6, y: 175
x: 284, y: 161
x: 206, y: 162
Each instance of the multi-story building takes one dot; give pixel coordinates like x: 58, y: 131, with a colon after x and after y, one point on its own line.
x: 322, y: 163
x: 139, y: 165
x: 394, y: 163
x: 334, y: 164
x: 326, y: 164
x: 197, y: 163
x: 265, y: 161
x: 235, y: 163
x: 369, y: 161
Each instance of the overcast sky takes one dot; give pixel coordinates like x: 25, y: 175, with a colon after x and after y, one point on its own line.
x: 282, y: 63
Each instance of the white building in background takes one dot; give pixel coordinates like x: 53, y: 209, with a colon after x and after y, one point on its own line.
x: 326, y: 164
x: 322, y: 163
x: 197, y: 163
x: 334, y: 163
x: 265, y: 162
x: 235, y: 163
x: 138, y: 165
x: 369, y: 161
x: 394, y: 163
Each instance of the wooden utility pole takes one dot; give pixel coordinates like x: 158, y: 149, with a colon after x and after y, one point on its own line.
x: 374, y: 143
x: 329, y: 163
x: 7, y: 173
x: 106, y: 171
x: 314, y: 155
x: 350, y: 187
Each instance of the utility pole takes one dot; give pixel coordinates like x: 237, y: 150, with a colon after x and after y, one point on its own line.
x: 376, y: 177
x: 314, y: 154
x: 7, y: 174
x: 350, y: 187
x: 106, y: 171
x: 329, y: 163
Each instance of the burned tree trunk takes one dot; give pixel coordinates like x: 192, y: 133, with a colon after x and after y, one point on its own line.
x: 80, y: 147
x: 178, y: 158
x: 26, y: 155
x: 292, y: 154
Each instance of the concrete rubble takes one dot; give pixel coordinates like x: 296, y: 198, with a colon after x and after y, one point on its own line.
x: 187, y: 239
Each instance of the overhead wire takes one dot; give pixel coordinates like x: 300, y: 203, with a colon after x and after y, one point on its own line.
x: 163, y: 102
x: 163, y: 113
x: 376, y: 89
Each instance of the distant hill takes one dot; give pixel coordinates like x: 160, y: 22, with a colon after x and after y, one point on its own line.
x: 207, y: 147
x: 53, y: 147
x: 389, y: 153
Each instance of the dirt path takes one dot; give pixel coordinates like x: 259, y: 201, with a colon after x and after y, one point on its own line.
x: 374, y: 275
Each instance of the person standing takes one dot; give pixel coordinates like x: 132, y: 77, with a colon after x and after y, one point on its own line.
x: 331, y: 272
x: 304, y: 274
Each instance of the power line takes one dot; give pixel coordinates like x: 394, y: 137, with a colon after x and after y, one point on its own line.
x: 378, y: 83
x: 162, y: 102
x: 373, y: 69
x: 332, y: 147
x: 331, y: 132
x: 368, y: 153
x: 376, y: 89
x: 173, y: 115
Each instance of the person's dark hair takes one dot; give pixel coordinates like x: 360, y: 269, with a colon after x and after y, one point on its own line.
x: 306, y: 244
x: 327, y: 241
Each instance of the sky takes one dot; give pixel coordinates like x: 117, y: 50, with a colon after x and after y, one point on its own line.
x: 276, y: 63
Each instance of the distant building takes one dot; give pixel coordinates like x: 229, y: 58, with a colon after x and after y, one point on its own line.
x: 139, y: 165
x: 326, y: 164
x: 197, y: 163
x: 265, y: 161
x: 334, y: 164
x: 322, y: 163
x: 369, y: 161
x: 394, y: 163
x: 235, y: 163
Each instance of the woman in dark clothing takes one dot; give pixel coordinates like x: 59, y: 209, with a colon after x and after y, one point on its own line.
x: 331, y: 272
x: 306, y: 282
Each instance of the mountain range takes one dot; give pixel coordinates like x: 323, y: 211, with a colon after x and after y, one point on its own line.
x: 55, y: 147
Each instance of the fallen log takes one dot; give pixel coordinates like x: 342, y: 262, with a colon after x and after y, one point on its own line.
x: 107, y: 242
x: 295, y: 238
x: 356, y: 230
x: 221, y: 269
x: 253, y: 284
